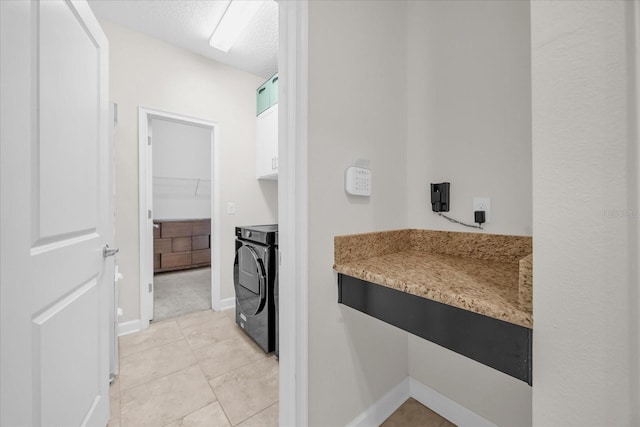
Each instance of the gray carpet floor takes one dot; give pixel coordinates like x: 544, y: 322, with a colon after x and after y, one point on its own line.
x: 181, y: 292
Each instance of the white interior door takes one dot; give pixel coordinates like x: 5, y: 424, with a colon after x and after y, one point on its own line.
x: 55, y: 222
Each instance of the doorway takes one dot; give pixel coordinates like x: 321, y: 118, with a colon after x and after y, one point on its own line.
x: 178, y: 206
x: 181, y: 214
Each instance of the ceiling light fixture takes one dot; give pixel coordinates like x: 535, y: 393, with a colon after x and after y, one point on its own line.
x: 233, y: 22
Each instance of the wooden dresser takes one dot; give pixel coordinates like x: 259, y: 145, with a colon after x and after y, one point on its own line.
x: 181, y: 244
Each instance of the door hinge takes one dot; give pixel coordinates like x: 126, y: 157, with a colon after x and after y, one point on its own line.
x: 150, y: 287
x: 149, y: 214
x: 149, y: 140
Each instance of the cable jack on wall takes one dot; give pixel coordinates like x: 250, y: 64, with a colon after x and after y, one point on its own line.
x: 440, y: 203
x: 479, y: 218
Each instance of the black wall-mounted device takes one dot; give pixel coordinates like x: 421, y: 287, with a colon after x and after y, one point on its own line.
x: 440, y: 197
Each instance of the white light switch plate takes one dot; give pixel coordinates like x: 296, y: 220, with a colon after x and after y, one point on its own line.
x: 231, y: 208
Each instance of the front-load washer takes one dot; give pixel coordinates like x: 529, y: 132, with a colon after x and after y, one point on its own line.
x: 254, y: 275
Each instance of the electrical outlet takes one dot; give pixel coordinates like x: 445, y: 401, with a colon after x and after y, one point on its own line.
x: 483, y: 204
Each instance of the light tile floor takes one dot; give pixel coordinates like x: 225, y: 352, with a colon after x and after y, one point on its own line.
x: 414, y: 414
x: 196, y: 370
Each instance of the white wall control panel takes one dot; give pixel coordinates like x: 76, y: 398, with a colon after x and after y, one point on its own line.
x: 357, y: 181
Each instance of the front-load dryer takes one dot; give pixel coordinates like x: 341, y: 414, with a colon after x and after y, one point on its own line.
x: 254, y: 275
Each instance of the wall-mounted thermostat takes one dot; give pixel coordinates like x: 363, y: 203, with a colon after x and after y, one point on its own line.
x: 357, y: 180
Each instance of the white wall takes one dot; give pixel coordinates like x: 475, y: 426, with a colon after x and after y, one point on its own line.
x: 469, y: 123
x: 469, y: 111
x: 495, y: 396
x: 356, y: 109
x: 148, y: 72
x: 585, y: 217
x: 459, y: 110
x: 469, y: 82
x: 181, y: 170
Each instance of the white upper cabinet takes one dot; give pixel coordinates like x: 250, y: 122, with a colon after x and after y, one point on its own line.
x: 267, y: 144
x: 267, y: 129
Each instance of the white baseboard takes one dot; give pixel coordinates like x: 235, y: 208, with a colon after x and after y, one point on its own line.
x: 126, y: 328
x: 226, y: 304
x: 383, y: 408
x: 410, y: 387
x: 446, y: 407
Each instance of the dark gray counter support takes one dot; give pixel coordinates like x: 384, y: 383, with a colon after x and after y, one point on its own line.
x: 501, y: 345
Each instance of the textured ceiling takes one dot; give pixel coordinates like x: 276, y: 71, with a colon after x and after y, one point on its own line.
x: 189, y: 24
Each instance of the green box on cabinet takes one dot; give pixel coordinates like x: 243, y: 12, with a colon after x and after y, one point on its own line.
x: 273, y: 90
x: 263, y: 94
x: 267, y: 94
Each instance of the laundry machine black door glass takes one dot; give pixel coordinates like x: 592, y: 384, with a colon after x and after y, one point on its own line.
x: 249, y: 278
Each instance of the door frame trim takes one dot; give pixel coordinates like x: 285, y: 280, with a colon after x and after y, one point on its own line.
x: 292, y: 212
x: 145, y: 202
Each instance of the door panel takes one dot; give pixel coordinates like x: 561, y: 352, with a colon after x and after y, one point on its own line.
x: 66, y: 137
x: 66, y: 342
x: 56, y: 201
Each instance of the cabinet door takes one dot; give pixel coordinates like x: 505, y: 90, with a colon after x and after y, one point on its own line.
x: 273, y: 91
x: 267, y: 144
x: 263, y: 94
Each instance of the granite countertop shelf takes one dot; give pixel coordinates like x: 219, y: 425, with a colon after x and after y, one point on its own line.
x: 487, y: 274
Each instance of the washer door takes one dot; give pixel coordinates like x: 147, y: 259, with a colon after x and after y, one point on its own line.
x: 250, y: 281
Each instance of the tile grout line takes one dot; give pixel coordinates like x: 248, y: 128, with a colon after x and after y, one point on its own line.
x: 151, y: 348
x: 166, y: 374
x: 224, y: 411
x: 186, y: 415
x: 234, y: 369
x: 198, y: 363
x: 242, y: 338
x: 252, y: 415
x: 183, y: 337
x: 162, y: 376
x: 262, y: 357
x: 263, y: 410
x: 205, y: 376
x: 120, y: 356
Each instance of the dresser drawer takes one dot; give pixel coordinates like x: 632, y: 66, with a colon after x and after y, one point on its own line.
x: 175, y: 259
x: 161, y: 246
x: 199, y: 242
x: 176, y: 229
x: 174, y: 241
x: 181, y: 244
x: 201, y: 257
x: 202, y: 227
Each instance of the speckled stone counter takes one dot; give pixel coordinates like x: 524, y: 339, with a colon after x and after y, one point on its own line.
x: 486, y: 274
